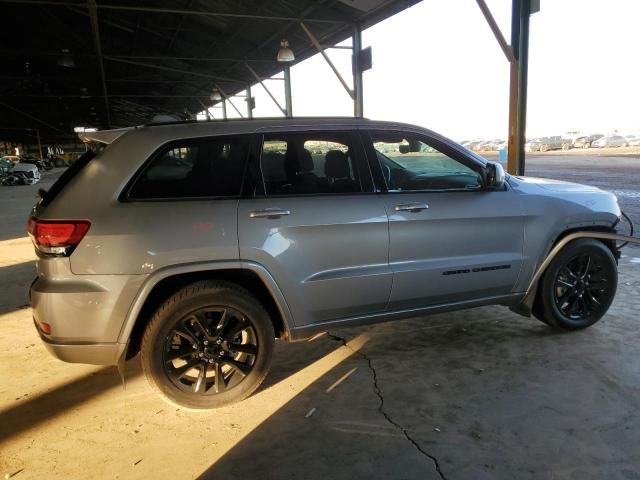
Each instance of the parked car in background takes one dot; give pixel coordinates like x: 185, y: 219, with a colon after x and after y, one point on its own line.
x: 633, y: 140
x: 22, y: 174
x: 610, y: 141
x: 490, y: 145
x: 474, y: 145
x: 44, y: 164
x: 5, y: 166
x: 12, y: 158
x: 544, y: 144
x: 586, y: 141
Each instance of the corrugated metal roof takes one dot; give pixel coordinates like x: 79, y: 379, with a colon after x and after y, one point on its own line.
x: 160, y: 57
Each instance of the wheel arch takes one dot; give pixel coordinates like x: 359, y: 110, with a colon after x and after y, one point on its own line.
x: 161, y: 285
x: 605, y: 234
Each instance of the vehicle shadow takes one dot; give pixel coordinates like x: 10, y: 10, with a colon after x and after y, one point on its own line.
x: 14, y: 285
x: 484, y: 393
x: 46, y: 406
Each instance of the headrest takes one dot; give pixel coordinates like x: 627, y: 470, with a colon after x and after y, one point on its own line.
x: 336, y: 164
x: 306, y: 161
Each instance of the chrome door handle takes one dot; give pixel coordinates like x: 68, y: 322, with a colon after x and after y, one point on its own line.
x: 411, y: 207
x: 269, y: 213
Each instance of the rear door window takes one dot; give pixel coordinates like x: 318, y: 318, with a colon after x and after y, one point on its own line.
x: 207, y: 167
x: 308, y: 163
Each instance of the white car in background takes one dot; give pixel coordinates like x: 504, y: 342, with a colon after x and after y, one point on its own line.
x: 610, y: 141
x: 22, y: 174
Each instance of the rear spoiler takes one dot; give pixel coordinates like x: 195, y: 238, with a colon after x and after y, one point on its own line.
x: 105, y: 137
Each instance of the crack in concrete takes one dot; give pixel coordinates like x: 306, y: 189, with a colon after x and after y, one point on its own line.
x: 391, y: 421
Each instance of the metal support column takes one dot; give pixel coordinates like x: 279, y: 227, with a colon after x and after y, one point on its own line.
x: 249, y: 101
x: 39, y: 144
x: 287, y: 90
x: 513, y: 146
x: 93, y: 16
x: 224, y: 108
x: 523, y: 71
x: 358, y: 100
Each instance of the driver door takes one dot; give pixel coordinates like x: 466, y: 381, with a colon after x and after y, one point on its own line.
x: 450, y: 239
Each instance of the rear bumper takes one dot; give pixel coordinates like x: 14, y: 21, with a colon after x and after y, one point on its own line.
x: 91, y: 353
x: 84, y: 314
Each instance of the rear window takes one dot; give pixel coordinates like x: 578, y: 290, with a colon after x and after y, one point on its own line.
x: 66, y: 177
x: 207, y: 167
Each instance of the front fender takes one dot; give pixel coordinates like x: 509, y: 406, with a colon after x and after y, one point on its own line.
x: 526, y: 304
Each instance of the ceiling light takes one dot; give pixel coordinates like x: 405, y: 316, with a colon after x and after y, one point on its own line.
x: 66, y: 60
x: 285, y: 54
x: 215, y: 95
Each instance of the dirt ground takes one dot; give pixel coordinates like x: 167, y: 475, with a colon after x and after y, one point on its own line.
x: 480, y: 394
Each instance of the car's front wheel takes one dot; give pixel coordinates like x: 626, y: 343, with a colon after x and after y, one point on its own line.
x: 208, y: 345
x: 578, y: 286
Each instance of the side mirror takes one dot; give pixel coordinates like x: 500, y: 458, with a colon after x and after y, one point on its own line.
x: 404, y: 148
x: 495, y: 176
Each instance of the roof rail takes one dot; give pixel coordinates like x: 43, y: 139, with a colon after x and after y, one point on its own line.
x: 180, y: 122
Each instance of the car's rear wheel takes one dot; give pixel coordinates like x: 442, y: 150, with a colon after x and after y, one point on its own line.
x: 208, y: 345
x: 544, y: 148
x: 578, y: 286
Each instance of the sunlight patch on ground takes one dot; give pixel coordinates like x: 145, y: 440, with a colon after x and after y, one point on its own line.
x: 15, y: 251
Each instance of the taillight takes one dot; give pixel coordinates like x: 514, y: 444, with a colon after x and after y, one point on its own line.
x: 57, y: 237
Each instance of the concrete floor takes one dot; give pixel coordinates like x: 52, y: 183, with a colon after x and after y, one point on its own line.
x: 480, y: 394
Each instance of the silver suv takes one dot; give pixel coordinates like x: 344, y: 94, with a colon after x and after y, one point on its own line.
x: 196, y: 244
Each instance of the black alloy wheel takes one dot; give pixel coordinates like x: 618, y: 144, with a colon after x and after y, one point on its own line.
x: 210, y: 350
x: 208, y: 345
x: 578, y: 286
x: 581, y: 287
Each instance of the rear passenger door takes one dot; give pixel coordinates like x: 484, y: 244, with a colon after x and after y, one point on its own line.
x: 180, y: 207
x: 314, y: 222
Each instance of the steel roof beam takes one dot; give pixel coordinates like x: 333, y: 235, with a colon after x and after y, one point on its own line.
x: 112, y: 95
x: 135, y: 57
x: 171, y: 69
x: 316, y: 44
x: 508, y: 51
x: 28, y: 115
x: 204, y: 13
x: 259, y: 80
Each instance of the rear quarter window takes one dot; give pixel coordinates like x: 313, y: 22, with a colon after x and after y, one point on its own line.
x: 64, y: 179
x: 206, y: 167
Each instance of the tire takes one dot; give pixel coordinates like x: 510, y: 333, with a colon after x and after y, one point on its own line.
x: 544, y: 148
x: 566, y: 146
x: 175, y: 351
x: 574, y: 293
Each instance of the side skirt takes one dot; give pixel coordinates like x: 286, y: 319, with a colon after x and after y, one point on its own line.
x: 306, y: 331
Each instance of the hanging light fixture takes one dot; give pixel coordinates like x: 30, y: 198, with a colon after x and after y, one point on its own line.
x: 215, y: 95
x: 66, y: 60
x: 285, y: 54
